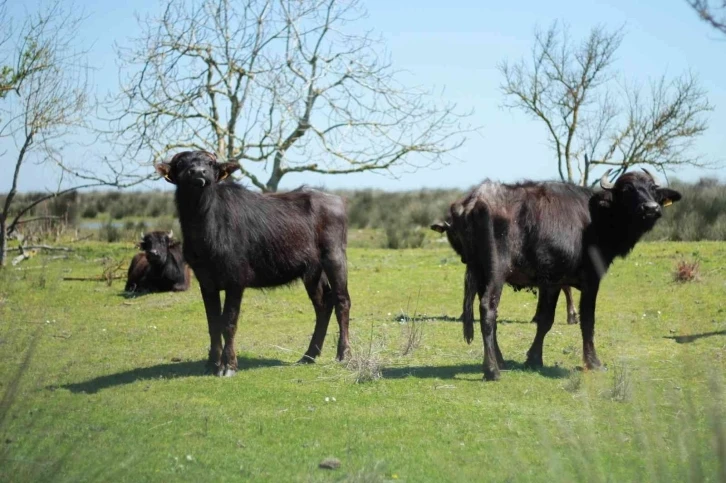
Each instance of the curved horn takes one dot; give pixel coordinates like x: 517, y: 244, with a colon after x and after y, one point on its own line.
x: 604, y: 183
x: 142, y: 235
x: 171, y: 234
x: 655, y: 179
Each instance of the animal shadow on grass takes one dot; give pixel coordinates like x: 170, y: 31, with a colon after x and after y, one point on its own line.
x: 134, y: 294
x: 163, y: 371
x: 425, y: 318
x: 685, y: 339
x: 450, y: 372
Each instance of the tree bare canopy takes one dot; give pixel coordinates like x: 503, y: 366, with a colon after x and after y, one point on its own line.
x: 712, y: 12
x: 593, y: 119
x: 44, y: 104
x: 283, y: 85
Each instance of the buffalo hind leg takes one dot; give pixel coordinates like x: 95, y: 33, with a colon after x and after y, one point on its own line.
x: 467, y: 314
x: 336, y: 268
x: 546, y: 310
x: 489, y: 296
x: 213, y: 308
x: 321, y: 296
x: 571, y: 312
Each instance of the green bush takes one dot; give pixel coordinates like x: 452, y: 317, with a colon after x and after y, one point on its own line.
x: 700, y: 215
x: 109, y: 232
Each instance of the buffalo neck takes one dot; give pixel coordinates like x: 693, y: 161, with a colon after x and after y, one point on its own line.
x: 616, y: 233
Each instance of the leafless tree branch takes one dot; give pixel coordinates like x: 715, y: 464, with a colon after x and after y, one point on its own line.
x: 44, y: 102
x: 275, y: 84
x: 711, y: 12
x: 568, y: 87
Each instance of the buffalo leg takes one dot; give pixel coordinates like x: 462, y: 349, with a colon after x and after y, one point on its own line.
x: 213, y: 308
x: 228, y: 325
x: 546, y: 304
x: 588, y: 297
x: 336, y: 269
x: 541, y: 308
x: 467, y: 314
x: 321, y: 296
x: 489, y: 296
x: 571, y: 313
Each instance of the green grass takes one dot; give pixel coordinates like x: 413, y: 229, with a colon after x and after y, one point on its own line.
x: 99, y: 387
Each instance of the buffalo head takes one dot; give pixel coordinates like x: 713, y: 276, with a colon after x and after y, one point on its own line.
x: 195, y: 169
x: 637, y: 195
x: 156, y: 245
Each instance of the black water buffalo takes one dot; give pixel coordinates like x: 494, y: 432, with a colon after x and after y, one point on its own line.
x: 550, y: 235
x: 160, y: 267
x: 467, y: 314
x: 235, y: 238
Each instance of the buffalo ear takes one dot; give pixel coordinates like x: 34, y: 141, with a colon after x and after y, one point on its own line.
x: 164, y: 169
x: 602, y: 199
x: 667, y: 196
x: 225, y: 169
x: 440, y: 227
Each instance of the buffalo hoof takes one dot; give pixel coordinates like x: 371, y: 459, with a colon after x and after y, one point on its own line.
x: 220, y: 370
x: 306, y: 359
x: 228, y: 372
x: 343, y: 355
x: 573, y: 319
x: 595, y: 367
x: 534, y: 363
x: 491, y: 375
x: 212, y: 368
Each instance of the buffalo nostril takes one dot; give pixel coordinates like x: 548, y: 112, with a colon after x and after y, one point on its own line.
x: 651, y: 208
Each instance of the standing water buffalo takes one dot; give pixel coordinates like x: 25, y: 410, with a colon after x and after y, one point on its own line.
x: 467, y: 314
x: 235, y: 238
x: 550, y: 235
x: 159, y: 267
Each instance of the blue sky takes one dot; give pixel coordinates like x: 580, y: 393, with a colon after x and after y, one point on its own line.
x: 455, y: 46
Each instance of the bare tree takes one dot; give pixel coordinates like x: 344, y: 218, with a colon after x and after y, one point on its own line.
x: 286, y: 86
x: 712, y: 12
x: 591, y: 118
x: 44, y: 101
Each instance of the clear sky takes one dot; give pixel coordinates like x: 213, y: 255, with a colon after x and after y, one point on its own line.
x: 455, y: 46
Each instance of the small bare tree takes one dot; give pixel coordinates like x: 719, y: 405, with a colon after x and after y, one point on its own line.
x: 712, y: 12
x: 44, y: 101
x: 593, y: 120
x: 286, y: 86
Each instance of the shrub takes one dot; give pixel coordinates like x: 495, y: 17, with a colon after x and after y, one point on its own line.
x: 622, y: 387
x: 109, y: 232
x: 89, y: 211
x: 406, y: 237
x: 687, y: 270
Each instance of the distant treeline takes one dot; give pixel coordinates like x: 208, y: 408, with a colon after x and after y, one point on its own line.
x: 403, y: 216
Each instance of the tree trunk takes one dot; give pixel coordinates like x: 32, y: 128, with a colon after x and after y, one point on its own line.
x: 274, y: 181
x: 3, y: 242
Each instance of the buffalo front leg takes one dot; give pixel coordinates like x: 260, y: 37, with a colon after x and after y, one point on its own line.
x: 588, y: 298
x: 213, y: 308
x: 230, y: 316
x: 546, y: 316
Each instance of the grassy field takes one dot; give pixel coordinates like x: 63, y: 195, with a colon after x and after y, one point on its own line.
x: 96, y: 386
